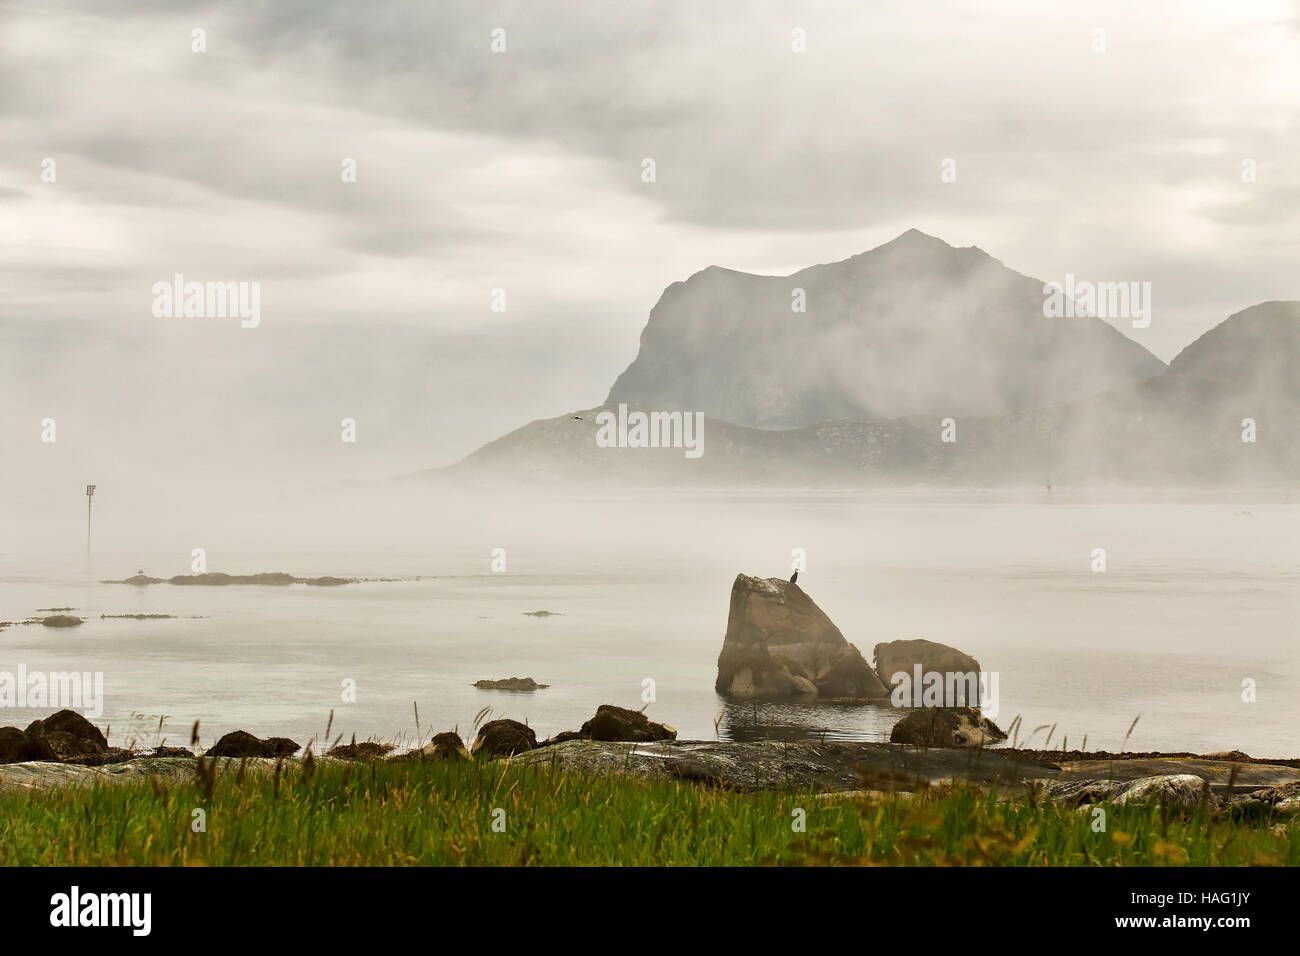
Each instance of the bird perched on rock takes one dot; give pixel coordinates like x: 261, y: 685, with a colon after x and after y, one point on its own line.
x: 794, y: 577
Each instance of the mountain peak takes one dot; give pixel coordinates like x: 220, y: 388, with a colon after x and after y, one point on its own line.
x: 915, y: 237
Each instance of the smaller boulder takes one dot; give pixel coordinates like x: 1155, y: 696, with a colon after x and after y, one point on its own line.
x: 18, y: 746
x: 444, y: 746
x: 70, y: 722
x: 366, y: 750
x: 503, y: 738
x: 618, y: 723
x: 946, y: 727
x: 240, y: 743
x: 280, y: 747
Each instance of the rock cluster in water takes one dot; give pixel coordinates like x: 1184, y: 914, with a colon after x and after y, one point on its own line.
x: 510, y: 683
x: 219, y: 578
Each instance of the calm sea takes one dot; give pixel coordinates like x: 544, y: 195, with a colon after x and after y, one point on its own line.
x: 1197, y: 598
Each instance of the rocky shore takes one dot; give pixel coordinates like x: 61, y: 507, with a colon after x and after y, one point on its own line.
x: 66, y: 749
x: 778, y: 645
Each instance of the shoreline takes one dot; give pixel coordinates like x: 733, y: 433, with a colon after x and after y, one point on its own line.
x: 742, y: 766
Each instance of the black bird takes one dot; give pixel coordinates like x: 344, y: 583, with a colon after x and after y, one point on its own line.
x: 794, y: 577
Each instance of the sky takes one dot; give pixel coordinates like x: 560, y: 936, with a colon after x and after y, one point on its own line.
x: 1113, y: 155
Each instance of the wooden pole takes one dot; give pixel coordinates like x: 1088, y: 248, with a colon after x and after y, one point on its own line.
x: 90, y: 491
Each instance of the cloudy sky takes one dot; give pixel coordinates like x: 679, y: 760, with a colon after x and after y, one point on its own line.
x: 521, y: 170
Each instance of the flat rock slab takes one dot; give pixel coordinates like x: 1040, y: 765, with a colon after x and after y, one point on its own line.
x: 41, y: 775
x: 778, y: 766
x: 1250, y: 776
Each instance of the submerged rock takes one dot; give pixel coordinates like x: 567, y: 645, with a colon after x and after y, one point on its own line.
x: 502, y: 738
x: 510, y: 683
x: 780, y: 645
x: 946, y: 727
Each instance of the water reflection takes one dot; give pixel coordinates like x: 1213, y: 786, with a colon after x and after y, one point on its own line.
x: 791, y: 722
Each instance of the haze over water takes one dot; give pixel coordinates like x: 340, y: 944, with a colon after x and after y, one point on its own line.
x: 1200, y: 593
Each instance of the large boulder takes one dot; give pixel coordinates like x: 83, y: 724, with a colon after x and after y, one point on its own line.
x: 781, y: 645
x: 18, y: 746
x: 903, y: 657
x: 70, y: 722
x: 946, y: 727
x: 503, y: 738
x: 618, y: 723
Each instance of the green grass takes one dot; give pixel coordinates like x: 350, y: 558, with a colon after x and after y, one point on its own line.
x: 441, y: 814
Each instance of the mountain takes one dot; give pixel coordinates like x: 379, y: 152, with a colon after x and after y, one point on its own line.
x: 1138, y: 423
x: 913, y: 327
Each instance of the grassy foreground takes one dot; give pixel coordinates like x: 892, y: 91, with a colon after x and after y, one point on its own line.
x: 443, y: 814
